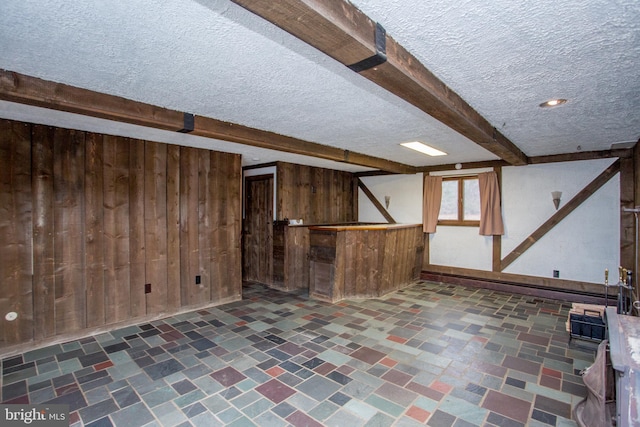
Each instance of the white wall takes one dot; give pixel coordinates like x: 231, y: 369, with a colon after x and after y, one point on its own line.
x: 405, y: 205
x: 584, y: 243
x: 580, y: 247
x: 460, y: 247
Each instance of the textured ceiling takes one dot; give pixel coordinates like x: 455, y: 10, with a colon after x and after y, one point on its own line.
x: 506, y: 57
x: 215, y: 59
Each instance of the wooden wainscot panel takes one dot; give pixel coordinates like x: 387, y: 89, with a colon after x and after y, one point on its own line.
x: 340, y: 262
x: 290, y: 257
x: 189, y: 249
x: 94, y: 225
x: 322, y: 256
x: 174, y: 262
x: 420, y: 253
x: 352, y: 249
x: 117, y: 230
x: 206, y: 235
x: 155, y: 225
x: 296, y: 258
x: 137, y: 252
x: 390, y: 262
x: 43, y: 235
x: 226, y: 262
x: 68, y: 187
x: 279, y: 230
x: 321, y: 280
x: 322, y: 245
x: 15, y: 233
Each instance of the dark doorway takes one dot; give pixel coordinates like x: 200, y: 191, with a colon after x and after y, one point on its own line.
x: 257, y: 230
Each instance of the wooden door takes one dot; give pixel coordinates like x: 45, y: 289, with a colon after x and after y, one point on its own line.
x: 257, y: 252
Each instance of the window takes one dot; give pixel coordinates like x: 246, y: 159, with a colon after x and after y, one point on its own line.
x: 460, y: 201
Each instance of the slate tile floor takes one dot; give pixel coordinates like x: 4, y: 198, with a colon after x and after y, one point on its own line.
x: 431, y: 354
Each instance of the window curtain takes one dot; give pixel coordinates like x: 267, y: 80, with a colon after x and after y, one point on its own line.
x: 490, y: 212
x: 431, y: 200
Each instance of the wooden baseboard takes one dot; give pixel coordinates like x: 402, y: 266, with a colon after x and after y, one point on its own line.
x: 466, y: 278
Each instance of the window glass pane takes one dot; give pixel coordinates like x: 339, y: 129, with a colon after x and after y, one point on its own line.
x: 471, y: 200
x: 449, y: 205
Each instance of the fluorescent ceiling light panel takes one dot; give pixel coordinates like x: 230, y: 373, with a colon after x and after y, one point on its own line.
x: 423, y: 148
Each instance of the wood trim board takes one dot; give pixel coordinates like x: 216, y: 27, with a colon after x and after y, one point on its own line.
x: 24, y: 89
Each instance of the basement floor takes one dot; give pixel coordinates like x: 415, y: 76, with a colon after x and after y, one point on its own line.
x: 430, y: 354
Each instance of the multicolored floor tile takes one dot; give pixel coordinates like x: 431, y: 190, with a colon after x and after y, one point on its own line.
x: 431, y: 354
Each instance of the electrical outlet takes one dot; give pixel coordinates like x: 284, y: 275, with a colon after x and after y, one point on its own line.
x: 556, y: 274
x: 198, y: 280
x: 147, y: 288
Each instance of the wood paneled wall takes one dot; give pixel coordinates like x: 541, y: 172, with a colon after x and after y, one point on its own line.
x: 317, y: 195
x: 87, y: 220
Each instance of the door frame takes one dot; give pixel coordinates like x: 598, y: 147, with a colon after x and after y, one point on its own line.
x: 247, y: 180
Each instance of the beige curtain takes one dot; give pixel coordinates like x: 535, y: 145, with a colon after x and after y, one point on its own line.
x: 431, y: 200
x: 490, y: 213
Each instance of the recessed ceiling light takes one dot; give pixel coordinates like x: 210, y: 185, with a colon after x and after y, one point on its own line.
x: 553, y: 102
x: 423, y: 148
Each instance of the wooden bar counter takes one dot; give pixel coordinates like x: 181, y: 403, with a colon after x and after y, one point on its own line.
x: 363, y: 261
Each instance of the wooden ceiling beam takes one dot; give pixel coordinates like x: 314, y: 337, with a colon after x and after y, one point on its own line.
x: 342, y: 31
x: 467, y: 165
x: 33, y: 91
x: 621, y: 153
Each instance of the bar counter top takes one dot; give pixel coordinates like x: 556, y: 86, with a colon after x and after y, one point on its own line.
x: 347, y: 227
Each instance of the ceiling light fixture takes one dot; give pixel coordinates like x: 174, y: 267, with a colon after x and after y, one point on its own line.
x: 423, y: 148
x: 553, y: 102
